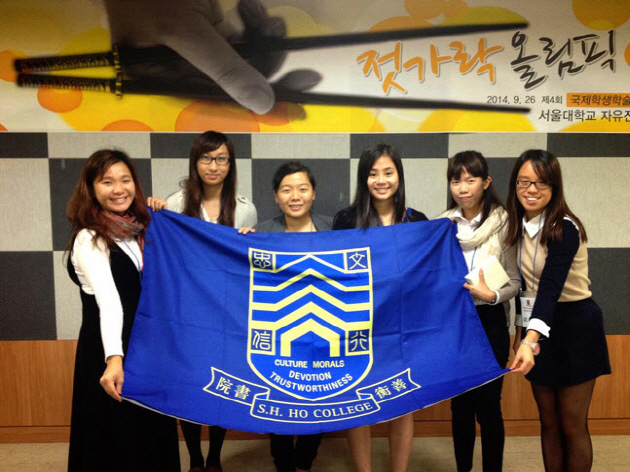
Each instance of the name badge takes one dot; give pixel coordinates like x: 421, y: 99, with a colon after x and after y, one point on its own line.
x: 528, y: 298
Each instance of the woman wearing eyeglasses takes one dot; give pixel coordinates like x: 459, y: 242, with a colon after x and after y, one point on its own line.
x: 209, y: 193
x: 559, y: 322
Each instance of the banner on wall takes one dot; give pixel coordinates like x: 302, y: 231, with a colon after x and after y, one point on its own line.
x: 303, y: 66
x: 304, y: 332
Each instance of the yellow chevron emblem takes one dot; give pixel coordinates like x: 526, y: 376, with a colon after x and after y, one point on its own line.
x: 310, y: 320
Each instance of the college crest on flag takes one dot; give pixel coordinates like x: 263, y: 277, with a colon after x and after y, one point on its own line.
x: 310, y: 321
x: 299, y: 333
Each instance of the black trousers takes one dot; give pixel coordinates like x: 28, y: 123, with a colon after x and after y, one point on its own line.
x: 288, y: 455
x: 192, y: 435
x: 483, y: 403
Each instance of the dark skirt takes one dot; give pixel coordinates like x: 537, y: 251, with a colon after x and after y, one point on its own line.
x: 106, y: 435
x: 576, y: 349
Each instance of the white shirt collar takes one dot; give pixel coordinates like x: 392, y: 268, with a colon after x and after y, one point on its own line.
x: 206, y: 217
x: 534, y: 225
x: 459, y: 214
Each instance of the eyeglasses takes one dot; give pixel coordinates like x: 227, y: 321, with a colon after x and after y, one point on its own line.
x: 539, y: 185
x: 220, y: 160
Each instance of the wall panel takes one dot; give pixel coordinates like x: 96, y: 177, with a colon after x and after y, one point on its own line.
x: 37, y: 393
x: 39, y: 309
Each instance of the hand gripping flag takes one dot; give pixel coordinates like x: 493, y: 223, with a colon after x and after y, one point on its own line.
x: 299, y: 333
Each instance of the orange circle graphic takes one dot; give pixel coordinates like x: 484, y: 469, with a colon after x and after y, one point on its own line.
x: 7, y: 71
x: 59, y: 101
x: 204, y: 115
x: 602, y: 15
x: 126, y: 125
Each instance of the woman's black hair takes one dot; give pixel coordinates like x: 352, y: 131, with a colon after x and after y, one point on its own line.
x: 288, y: 168
x: 476, y: 165
x: 366, y: 214
x: 547, y: 168
x: 193, y: 185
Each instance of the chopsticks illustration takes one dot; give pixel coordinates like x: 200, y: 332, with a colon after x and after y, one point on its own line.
x: 121, y: 58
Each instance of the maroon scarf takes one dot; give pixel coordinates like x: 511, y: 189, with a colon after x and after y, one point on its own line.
x: 121, y: 227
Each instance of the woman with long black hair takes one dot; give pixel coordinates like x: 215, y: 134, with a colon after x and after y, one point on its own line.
x: 209, y: 193
x: 380, y: 201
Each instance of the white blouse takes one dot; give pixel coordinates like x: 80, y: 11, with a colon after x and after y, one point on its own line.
x: 91, y: 264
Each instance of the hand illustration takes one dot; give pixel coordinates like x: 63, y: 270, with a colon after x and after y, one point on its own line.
x: 199, y: 33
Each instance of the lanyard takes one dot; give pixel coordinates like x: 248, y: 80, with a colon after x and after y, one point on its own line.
x: 138, y: 266
x: 472, y: 261
x: 520, y: 257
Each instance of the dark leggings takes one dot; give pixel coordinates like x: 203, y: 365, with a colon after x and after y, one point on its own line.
x: 192, y: 435
x: 566, y: 442
x: 483, y: 403
x: 288, y: 456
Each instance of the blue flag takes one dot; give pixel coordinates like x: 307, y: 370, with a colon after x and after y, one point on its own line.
x: 305, y: 332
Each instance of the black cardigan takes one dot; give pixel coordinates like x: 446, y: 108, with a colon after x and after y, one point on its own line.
x: 347, y: 218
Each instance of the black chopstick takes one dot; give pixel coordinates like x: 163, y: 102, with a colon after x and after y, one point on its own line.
x: 129, y: 55
x: 348, y: 39
x: 204, y: 89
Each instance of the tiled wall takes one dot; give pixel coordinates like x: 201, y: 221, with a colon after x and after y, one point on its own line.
x: 38, y: 172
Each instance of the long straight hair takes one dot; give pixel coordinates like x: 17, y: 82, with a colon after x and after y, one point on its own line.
x: 476, y: 165
x: 547, y: 169
x: 84, y: 210
x: 366, y: 213
x: 193, y: 185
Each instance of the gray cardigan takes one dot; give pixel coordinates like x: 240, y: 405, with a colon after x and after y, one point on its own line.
x: 278, y: 225
x: 244, y: 213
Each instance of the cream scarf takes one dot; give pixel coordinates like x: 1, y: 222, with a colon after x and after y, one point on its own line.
x: 487, y: 238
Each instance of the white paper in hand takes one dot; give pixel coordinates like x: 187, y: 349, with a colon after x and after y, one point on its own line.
x: 493, y: 272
